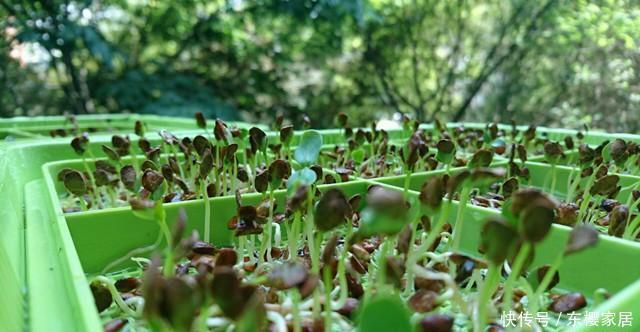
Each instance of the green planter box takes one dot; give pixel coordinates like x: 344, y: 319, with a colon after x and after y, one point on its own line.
x: 615, y: 273
x: 52, y: 253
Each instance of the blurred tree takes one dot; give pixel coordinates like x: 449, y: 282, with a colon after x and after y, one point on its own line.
x: 549, y: 61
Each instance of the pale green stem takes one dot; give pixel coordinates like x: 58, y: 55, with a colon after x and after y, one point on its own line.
x: 457, y: 228
x: 513, y: 276
x: 207, y: 212
x: 546, y: 280
x: 484, y: 300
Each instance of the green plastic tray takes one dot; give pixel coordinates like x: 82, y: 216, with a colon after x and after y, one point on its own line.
x: 90, y: 244
x: 615, y: 270
x: 48, y: 253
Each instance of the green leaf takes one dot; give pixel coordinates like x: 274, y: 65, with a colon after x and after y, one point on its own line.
x: 383, y: 313
x: 357, y: 155
x: 309, y: 148
x: 303, y: 177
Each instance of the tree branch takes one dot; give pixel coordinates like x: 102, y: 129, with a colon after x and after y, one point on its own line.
x: 489, y: 70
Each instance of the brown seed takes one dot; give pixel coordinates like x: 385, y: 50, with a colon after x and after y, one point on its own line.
x: 203, y: 248
x: 126, y: 285
x: 101, y: 295
x: 542, y: 271
x: 567, y: 214
x: 355, y: 288
x: 358, y: 265
x: 226, y: 257
x: 437, y: 323
x: 568, y: 303
x: 429, y: 284
x: 308, y: 286
x: 423, y: 300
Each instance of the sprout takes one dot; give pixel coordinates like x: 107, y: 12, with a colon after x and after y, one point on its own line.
x: 534, y: 212
x: 580, y: 238
x: 309, y: 148
x: 288, y: 275
x: 432, y: 192
x: 111, y: 153
x: 206, y: 164
x: 342, y: 120
x: 152, y: 180
x: 79, y: 144
x: 385, y: 213
x: 139, y: 128
x: 101, y: 295
x: 200, y: 120
x: 332, y: 210
x: 542, y: 271
x: 498, y: 240
x: 278, y: 171
x: 446, y: 151
x: 75, y: 182
x: 482, y: 158
x: 257, y: 139
x: 606, y: 185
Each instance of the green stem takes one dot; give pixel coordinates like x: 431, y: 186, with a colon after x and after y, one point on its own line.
x: 546, y: 280
x: 295, y: 299
x: 270, y: 225
x: 327, y: 300
x: 574, y: 181
x: 407, y: 180
x: 436, y: 229
x: 293, y: 236
x: 457, y: 228
x: 553, y: 179
x: 488, y: 288
x: 162, y: 221
x: 409, y: 288
x: 83, y: 204
x: 94, y: 187
x: 116, y: 295
x: 513, y: 276
x: 586, y: 197
x: 382, y: 265
x: 207, y: 212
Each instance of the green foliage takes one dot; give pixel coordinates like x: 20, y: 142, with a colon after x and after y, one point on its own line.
x: 551, y: 62
x: 385, y: 312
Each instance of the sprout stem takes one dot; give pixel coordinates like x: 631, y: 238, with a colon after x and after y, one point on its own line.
x: 207, y: 212
x: 382, y: 265
x: 513, y: 276
x: 407, y: 180
x: 132, y: 253
x: 327, y: 294
x: 295, y: 298
x: 161, y: 217
x: 553, y: 179
x: 116, y: 295
x: 457, y: 228
x: 488, y: 288
x: 546, y: 280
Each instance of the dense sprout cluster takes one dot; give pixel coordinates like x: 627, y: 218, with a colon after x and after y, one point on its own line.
x: 311, y: 254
